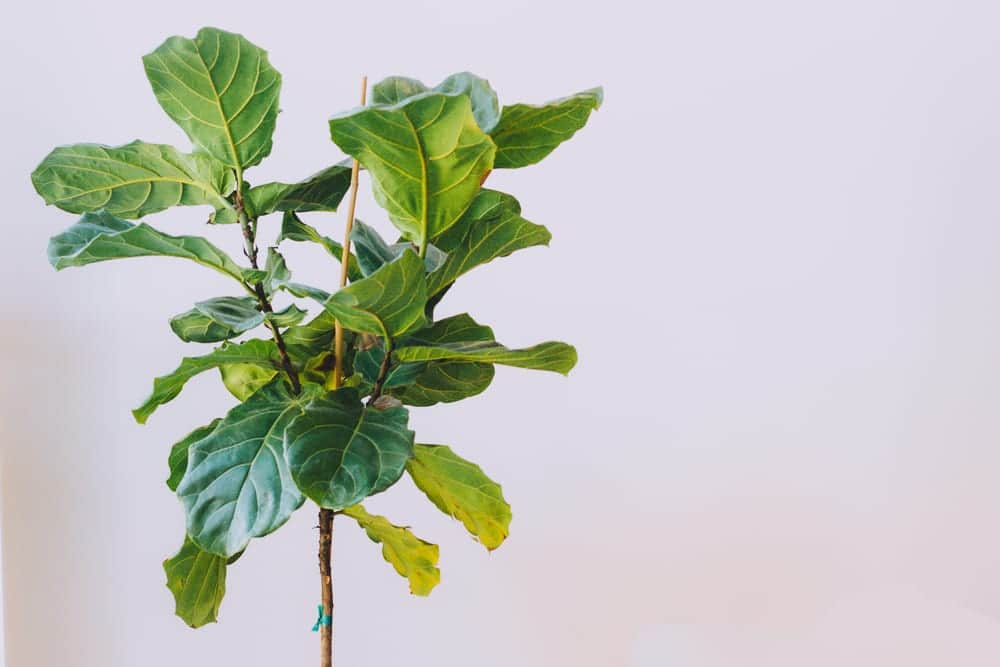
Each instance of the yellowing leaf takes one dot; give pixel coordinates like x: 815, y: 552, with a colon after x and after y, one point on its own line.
x: 411, y: 556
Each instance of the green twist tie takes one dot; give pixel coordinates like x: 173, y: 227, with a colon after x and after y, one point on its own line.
x: 324, y: 619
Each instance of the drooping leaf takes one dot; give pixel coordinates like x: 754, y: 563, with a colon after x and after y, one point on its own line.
x: 409, y: 555
x: 100, y: 236
x: 293, y: 229
x: 198, y: 581
x: 276, y: 271
x: 320, y: 192
x: 527, y: 133
x: 237, y: 485
x: 177, y: 461
x: 243, y: 380
x: 262, y: 353
x: 426, y: 157
x: 462, y: 490
x: 485, y: 107
x: 491, y: 228
x: 221, y: 90
x: 388, y: 303
x: 131, y: 181
x: 549, y: 356
x: 340, y: 452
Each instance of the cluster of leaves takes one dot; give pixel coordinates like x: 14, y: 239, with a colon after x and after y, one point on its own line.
x: 293, y: 434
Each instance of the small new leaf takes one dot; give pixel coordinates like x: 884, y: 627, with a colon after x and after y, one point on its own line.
x: 409, y: 555
x: 198, y: 581
x: 319, y: 192
x: 527, y: 133
x: 293, y: 229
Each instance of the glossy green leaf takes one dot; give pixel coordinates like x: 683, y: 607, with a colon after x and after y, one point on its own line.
x: 165, y: 388
x: 193, y: 326
x: 446, y: 382
x: 243, y: 380
x: 177, y: 461
x: 98, y: 237
x: 462, y: 490
x: 388, y: 303
x: 276, y: 272
x: 237, y: 485
x: 426, y: 157
x: 198, y: 581
x: 131, y: 181
x: 409, y: 555
x: 549, y: 356
x: 374, y: 253
x: 320, y: 192
x: 340, y: 452
x: 485, y: 107
x: 221, y: 90
x: 293, y: 229
x: 237, y: 313
x: 527, y: 133
x: 491, y: 228
x: 287, y: 317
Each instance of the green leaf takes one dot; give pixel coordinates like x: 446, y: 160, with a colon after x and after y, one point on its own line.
x: 293, y: 229
x: 261, y: 353
x: 320, y: 192
x: 409, y: 555
x: 177, y: 461
x: 446, y: 382
x: 221, y: 90
x: 98, y: 237
x: 131, y: 181
x: 244, y: 380
x: 237, y: 313
x: 237, y: 485
x: 485, y: 107
x: 193, y: 326
x: 198, y: 581
x: 528, y: 133
x: 550, y: 356
x: 290, y: 316
x: 276, y: 270
x: 340, y: 452
x: 461, y: 489
x: 491, y: 228
x: 426, y: 157
x: 388, y: 303
x: 373, y: 252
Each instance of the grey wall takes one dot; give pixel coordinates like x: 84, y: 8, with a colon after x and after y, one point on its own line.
x: 776, y: 248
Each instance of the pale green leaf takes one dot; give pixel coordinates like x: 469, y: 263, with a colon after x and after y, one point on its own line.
x: 485, y: 107
x: 426, y: 157
x: 340, y: 452
x: 221, y: 90
x: 243, y: 380
x: 409, y: 555
x: 491, y: 228
x: 549, y: 356
x: 193, y: 326
x: 197, y: 580
x: 262, y: 353
x: 293, y: 229
x: 237, y: 485
x: 320, y: 192
x: 98, y: 237
x: 131, y: 181
x: 527, y: 133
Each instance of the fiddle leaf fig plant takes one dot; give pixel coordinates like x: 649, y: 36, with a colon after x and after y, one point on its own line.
x: 324, y: 386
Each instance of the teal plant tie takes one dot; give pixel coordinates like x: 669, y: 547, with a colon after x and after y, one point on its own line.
x: 324, y: 619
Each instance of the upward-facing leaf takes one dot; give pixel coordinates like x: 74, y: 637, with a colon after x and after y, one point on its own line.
x: 426, y: 156
x: 237, y: 485
x: 100, y: 236
x: 319, y: 192
x: 485, y: 106
x: 261, y: 353
x: 491, y: 228
x: 221, y: 90
x: 409, y: 555
x: 198, y: 581
x: 131, y: 181
x: 527, y: 133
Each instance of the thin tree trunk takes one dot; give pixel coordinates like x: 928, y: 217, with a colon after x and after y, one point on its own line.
x: 326, y: 580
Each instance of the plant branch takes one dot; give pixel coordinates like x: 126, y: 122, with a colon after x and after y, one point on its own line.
x: 383, y: 372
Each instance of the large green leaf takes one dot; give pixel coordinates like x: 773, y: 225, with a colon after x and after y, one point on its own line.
x: 293, y: 229
x: 237, y: 485
x: 131, y: 181
x: 178, y: 459
x: 549, y: 356
x: 261, y: 353
x: 98, y: 237
x: 409, y: 555
x: 320, y: 192
x: 485, y: 107
x: 198, y: 581
x: 461, y: 489
x: 388, y: 303
x: 527, y: 133
x: 491, y: 228
x: 340, y: 452
x: 221, y: 90
x: 445, y: 382
x: 426, y: 156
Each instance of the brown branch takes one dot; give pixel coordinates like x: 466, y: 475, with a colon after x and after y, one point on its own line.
x: 326, y: 584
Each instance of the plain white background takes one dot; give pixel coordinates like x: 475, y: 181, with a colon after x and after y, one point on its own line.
x: 776, y: 248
